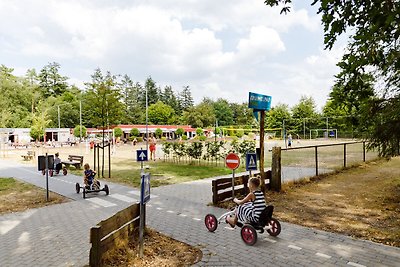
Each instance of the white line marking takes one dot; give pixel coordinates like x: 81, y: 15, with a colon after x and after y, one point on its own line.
x: 182, y: 215
x: 229, y: 228
x: 196, y: 219
x: 232, y: 161
x: 101, y: 202
x: 149, y: 205
x: 137, y: 193
x: 170, y: 211
x: 294, y: 247
x: 355, y: 264
x: 159, y: 208
x: 323, y: 255
x: 270, y: 240
x: 123, y: 198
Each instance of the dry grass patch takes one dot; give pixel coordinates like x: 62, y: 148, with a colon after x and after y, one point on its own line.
x: 362, y: 202
x: 159, y: 250
x: 18, y: 196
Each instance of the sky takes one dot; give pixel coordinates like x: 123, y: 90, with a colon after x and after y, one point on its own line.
x: 221, y: 49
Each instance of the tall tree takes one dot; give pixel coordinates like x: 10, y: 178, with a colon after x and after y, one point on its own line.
x: 223, y: 112
x: 304, y: 110
x: 185, y: 97
x: 160, y: 113
x: 242, y: 114
x: 168, y: 97
x: 201, y: 115
x: 153, y: 92
x: 102, y: 106
x: 373, y: 49
x: 51, y: 82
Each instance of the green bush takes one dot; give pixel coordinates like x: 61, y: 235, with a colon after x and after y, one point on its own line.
x: 163, y: 138
x: 118, y: 132
x: 77, y: 131
x: 239, y: 133
x: 202, y: 138
x: 139, y: 139
x: 199, y: 131
x: 179, y: 132
x: 184, y: 137
x: 158, y: 132
x: 134, y: 132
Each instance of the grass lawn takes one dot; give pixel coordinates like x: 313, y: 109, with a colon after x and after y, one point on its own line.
x: 18, y: 196
x: 162, y: 173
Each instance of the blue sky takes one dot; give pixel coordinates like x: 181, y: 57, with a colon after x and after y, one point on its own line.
x: 223, y: 48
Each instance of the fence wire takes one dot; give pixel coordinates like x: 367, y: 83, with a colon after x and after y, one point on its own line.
x: 315, y: 160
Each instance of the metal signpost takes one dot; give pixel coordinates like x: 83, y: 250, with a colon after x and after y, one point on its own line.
x: 260, y: 103
x: 44, y: 164
x: 251, y: 162
x: 144, y: 198
x: 141, y: 155
x: 232, y: 161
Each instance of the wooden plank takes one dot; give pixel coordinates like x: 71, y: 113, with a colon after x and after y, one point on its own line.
x: 119, y: 219
x: 95, y: 253
x: 228, y: 194
x: 124, y: 234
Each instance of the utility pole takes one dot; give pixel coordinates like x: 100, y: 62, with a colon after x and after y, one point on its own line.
x: 58, y: 109
x: 80, y: 121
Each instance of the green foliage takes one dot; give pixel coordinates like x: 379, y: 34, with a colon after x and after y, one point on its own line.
x: 77, y: 131
x: 217, y: 130
x: 118, y: 132
x: 186, y: 99
x: 179, y: 131
x: 223, y: 112
x: 203, y: 138
x: 199, y: 131
x: 160, y: 113
x: 372, y: 52
x: 201, y: 115
x: 239, y: 133
x: 243, y: 147
x: 194, y: 150
x: 163, y: 138
x: 39, y: 124
x: 134, y: 132
x: 158, y: 132
x: 184, y: 137
x: 51, y: 82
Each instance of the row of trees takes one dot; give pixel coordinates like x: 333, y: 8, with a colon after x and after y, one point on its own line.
x: 45, y: 99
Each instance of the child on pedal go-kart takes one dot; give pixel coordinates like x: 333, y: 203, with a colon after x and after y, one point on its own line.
x: 251, y: 206
x: 88, y: 178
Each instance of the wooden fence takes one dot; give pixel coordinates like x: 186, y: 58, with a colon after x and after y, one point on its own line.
x: 222, y: 188
x: 124, y: 225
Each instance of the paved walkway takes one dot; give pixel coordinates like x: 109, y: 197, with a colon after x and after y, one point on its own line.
x: 58, y: 235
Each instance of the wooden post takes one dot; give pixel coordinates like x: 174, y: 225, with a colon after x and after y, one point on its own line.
x: 344, y: 155
x: 316, y: 160
x: 364, y: 151
x: 215, y: 192
x: 95, y: 253
x: 276, y: 177
x: 262, y: 123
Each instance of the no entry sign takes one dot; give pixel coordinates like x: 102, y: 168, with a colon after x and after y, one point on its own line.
x: 232, y: 161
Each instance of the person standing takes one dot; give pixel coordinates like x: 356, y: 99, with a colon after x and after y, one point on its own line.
x: 152, y: 147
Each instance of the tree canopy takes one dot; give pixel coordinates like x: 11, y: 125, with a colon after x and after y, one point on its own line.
x: 371, y: 60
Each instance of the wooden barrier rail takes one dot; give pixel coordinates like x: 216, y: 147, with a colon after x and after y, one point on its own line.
x: 124, y: 225
x: 222, y: 188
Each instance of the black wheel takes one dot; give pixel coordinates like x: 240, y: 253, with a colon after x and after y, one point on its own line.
x: 84, y: 192
x: 248, y: 234
x: 77, y: 188
x: 106, y: 189
x: 211, y: 222
x: 65, y: 171
x: 275, y: 227
x: 98, y: 184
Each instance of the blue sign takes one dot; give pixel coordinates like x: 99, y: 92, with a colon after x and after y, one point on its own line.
x: 251, y: 162
x: 141, y: 155
x: 145, y: 188
x: 259, y: 102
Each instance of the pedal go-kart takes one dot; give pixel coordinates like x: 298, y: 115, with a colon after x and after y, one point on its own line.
x: 93, y: 188
x: 248, y: 231
x: 56, y: 171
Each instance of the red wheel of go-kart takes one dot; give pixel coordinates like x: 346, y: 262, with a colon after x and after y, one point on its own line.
x: 65, y: 171
x: 77, y: 188
x: 249, y: 234
x: 275, y: 227
x: 211, y: 222
x: 106, y: 189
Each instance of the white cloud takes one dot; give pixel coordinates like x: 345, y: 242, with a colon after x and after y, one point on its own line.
x: 176, y: 42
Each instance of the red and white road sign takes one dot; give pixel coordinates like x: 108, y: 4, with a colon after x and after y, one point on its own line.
x: 232, y: 161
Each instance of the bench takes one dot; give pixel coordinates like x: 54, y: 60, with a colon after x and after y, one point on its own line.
x: 76, y: 161
x: 29, y: 155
